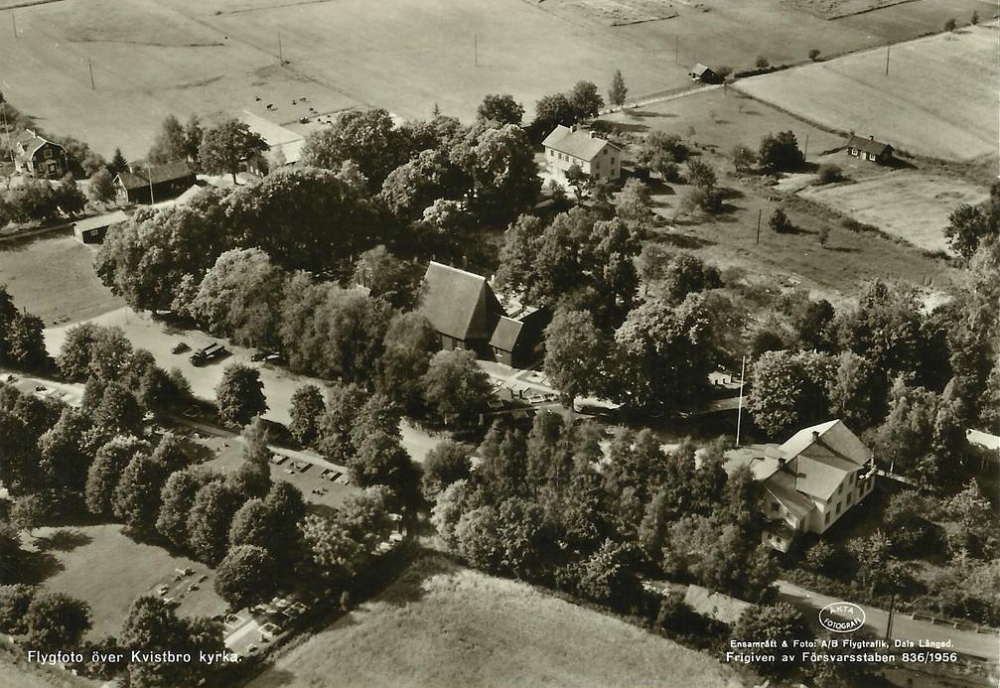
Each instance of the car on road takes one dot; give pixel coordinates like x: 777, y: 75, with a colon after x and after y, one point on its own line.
x: 208, y: 353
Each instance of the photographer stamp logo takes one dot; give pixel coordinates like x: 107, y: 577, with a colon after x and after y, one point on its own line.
x: 842, y: 617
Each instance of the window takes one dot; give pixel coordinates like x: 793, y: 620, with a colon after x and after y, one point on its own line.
x: 48, y: 152
x: 838, y: 508
x: 612, y: 161
x: 850, y: 498
x: 774, y: 506
x: 840, y: 488
x: 604, y: 152
x: 827, y: 519
x: 850, y: 480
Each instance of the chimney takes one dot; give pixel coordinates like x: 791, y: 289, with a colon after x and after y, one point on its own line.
x: 815, y: 436
x: 871, y: 137
x: 781, y: 463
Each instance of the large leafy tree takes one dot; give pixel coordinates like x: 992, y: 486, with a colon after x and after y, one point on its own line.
x: 170, y: 144
x: 455, y: 388
x: 448, y: 462
x: 576, y: 354
x: 307, y: 406
x: 666, y: 353
x: 369, y: 138
x: 789, y: 390
x: 106, y: 471
x: 146, y: 259
x: 247, y: 575
x: 225, y: 147
x: 416, y: 184
x: 617, y: 91
x: 240, y: 395
x: 209, y: 520
x: 780, y: 152
x: 176, y: 499
x: 781, y: 623
x: 505, y: 173
x: 333, y: 552
x: 969, y: 226
x: 56, y: 621
x: 410, y: 342
x: 585, y: 100
x: 136, y: 499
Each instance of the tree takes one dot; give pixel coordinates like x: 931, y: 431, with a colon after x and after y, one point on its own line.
x: 585, y: 100
x: 252, y: 525
x: 331, y: 548
x: 23, y: 343
x: 118, y: 162
x: 950, y: 25
x: 369, y: 138
x: 780, y: 152
x: 969, y: 227
x: 855, y: 392
x: 813, y: 54
x: 661, y: 152
x: 617, y: 92
x: 102, y: 187
x: 337, y: 424
x: 762, y: 62
x: 828, y: 173
x: 136, y: 498
x: 823, y: 557
x: 306, y: 409
x: 872, y: 554
x: 367, y: 518
x: 576, y: 354
x: 455, y: 388
x: 974, y: 20
x: 209, y: 520
x: 779, y: 222
x: 34, y: 201
x: 176, y: 499
x: 781, y: 623
x: 56, y: 621
x: 744, y: 158
x: 393, y: 279
x: 789, y: 390
x: 14, y: 603
x: 553, y: 110
x: 413, y: 186
x: 505, y: 172
x: 171, y: 143
x: 240, y: 395
x: 225, y: 147
x: 633, y: 204
x: 246, y: 576
x: 608, y: 575
x: 105, y: 472
x: 29, y: 511
x: 687, y: 274
x: 287, y: 508
x: 502, y: 109
x: 666, y: 353
x: 410, y: 342
x: 381, y: 460
x: 448, y: 462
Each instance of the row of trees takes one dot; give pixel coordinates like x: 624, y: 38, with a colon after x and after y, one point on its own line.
x: 39, y: 201
x: 22, y: 342
x: 536, y: 508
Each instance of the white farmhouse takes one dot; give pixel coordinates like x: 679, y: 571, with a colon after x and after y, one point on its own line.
x: 566, y: 147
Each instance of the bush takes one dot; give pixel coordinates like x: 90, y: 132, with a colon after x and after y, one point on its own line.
x: 950, y: 25
x: 823, y: 557
x: 779, y: 222
x: 829, y: 173
x: 814, y: 54
x: 762, y: 62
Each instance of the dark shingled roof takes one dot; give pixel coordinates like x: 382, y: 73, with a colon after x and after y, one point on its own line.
x: 459, y: 304
x: 700, y: 69
x: 868, y: 145
x: 31, y: 142
x: 172, y: 171
x: 506, y: 333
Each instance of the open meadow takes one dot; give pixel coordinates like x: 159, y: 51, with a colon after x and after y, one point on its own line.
x: 151, y: 58
x: 15, y: 672
x: 107, y: 569
x: 936, y: 100
x: 53, y: 277
x: 440, y: 625
x: 911, y: 205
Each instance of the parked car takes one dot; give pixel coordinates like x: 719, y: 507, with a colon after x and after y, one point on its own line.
x: 179, y: 348
x: 208, y: 353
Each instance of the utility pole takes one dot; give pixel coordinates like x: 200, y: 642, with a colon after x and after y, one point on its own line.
x: 281, y: 57
x: 805, y: 153
x: 677, y: 49
x: 149, y: 175
x: 475, y: 48
x: 887, y: 49
x: 759, y: 214
x: 13, y: 23
x: 888, y: 625
x: 6, y: 130
x: 90, y: 63
x: 739, y: 413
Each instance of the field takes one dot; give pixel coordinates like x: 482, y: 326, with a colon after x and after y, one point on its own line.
x: 15, y: 672
x: 108, y: 570
x: 937, y: 100
x: 911, y: 205
x: 152, y: 58
x: 443, y: 626
x: 53, y: 277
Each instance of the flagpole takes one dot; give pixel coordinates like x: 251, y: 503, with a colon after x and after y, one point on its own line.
x: 739, y: 413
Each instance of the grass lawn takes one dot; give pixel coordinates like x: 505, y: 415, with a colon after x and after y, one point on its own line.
x: 915, y: 107
x: 440, y: 625
x: 108, y: 570
x: 53, y: 277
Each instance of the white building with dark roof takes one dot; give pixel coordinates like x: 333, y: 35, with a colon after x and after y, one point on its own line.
x: 566, y: 147
x: 810, y: 481
x: 39, y: 157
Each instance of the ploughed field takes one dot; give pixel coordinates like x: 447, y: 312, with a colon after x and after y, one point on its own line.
x: 939, y: 99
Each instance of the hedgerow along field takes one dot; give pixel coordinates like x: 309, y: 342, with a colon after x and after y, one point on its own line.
x: 938, y: 100
x: 152, y: 58
x: 440, y: 625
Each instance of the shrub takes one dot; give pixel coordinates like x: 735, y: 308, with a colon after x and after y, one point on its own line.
x: 762, y: 62
x: 779, y: 222
x: 829, y: 173
x: 814, y: 54
x: 950, y: 25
